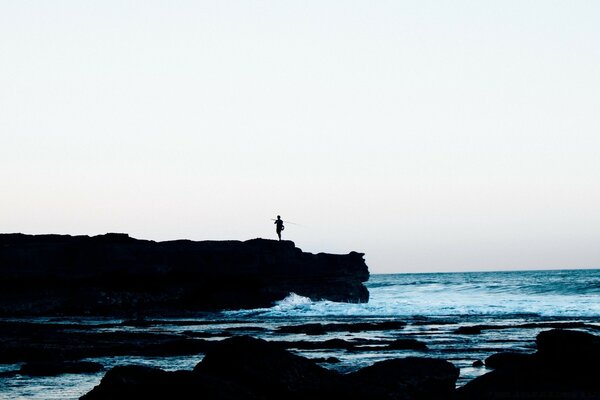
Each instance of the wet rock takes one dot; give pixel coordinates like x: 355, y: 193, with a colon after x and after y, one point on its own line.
x: 247, y: 368
x: 477, y: 363
x: 468, y: 330
x: 568, y: 346
x: 320, y: 329
x: 407, y: 344
x: 564, y: 367
x: 332, y: 344
x: 307, y: 329
x: 406, y: 378
x: 507, y: 359
x: 27, y: 342
x: 195, y: 334
x: 246, y: 329
x: 477, y: 329
x: 140, y: 382
x: 266, y: 369
x: 337, y: 344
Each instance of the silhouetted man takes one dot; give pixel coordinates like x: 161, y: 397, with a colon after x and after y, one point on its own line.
x: 279, y: 226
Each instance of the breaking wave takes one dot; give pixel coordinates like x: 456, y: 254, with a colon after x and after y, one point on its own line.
x: 545, y: 293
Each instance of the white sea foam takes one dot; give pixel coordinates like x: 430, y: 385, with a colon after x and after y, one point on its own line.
x: 565, y: 294
x: 292, y: 302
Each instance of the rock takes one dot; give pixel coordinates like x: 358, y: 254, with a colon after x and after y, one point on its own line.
x: 564, y: 367
x: 477, y: 329
x: 507, y: 359
x: 337, y: 344
x: 355, y: 344
x: 320, y: 329
x: 246, y: 329
x: 140, y: 382
x: 307, y: 329
x: 195, y: 334
x: 49, y: 368
x: 48, y: 342
x: 407, y: 344
x: 266, y: 369
x: 477, y: 363
x: 567, y: 346
x: 115, y: 274
x: 246, y: 368
x: 405, y: 378
x: 468, y: 330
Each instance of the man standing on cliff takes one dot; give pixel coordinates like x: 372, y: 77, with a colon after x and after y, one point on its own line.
x: 279, y: 226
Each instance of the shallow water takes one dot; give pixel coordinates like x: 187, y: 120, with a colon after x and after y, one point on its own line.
x: 432, y: 305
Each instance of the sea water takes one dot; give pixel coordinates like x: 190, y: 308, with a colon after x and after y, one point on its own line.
x: 434, y: 305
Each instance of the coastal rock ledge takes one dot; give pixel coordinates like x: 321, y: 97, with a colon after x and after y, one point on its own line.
x: 116, y: 274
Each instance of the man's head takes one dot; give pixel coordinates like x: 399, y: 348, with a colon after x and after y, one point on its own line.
x: 278, y: 217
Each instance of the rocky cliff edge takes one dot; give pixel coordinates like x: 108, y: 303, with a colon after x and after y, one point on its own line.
x: 116, y: 274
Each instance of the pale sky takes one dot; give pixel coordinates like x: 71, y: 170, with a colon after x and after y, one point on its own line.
x: 430, y: 135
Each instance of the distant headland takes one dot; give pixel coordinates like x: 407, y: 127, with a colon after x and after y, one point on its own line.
x: 117, y: 274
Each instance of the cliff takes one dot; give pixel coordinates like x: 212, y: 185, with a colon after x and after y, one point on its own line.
x: 116, y: 274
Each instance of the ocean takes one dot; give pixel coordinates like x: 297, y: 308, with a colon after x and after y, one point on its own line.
x: 510, y: 309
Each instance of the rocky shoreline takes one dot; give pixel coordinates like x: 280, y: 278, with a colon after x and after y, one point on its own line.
x: 565, y: 366
x: 244, y: 367
x: 236, y: 365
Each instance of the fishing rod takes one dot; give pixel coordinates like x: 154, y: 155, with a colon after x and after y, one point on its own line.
x: 288, y: 222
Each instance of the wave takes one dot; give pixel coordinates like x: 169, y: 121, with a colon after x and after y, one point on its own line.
x: 542, y: 293
x: 292, y: 302
x: 298, y: 306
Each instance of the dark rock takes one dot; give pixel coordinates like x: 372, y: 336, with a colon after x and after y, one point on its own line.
x: 246, y: 368
x: 246, y: 329
x: 567, y: 346
x: 43, y: 342
x: 477, y: 363
x: 307, y: 329
x: 406, y: 378
x: 557, y: 325
x: 468, y: 330
x: 564, y: 367
x: 50, y: 368
x: 375, y: 326
x: 115, y: 274
x: 477, y: 329
x: 507, y: 359
x: 337, y: 344
x: 407, y: 344
x: 332, y: 344
x: 320, y: 329
x: 140, y: 382
x: 266, y: 369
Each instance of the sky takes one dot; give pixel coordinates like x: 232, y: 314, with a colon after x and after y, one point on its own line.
x: 429, y: 135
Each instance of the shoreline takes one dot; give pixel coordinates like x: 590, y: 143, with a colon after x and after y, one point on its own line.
x: 331, y: 342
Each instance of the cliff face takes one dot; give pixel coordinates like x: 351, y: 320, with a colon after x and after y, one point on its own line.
x: 117, y: 274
